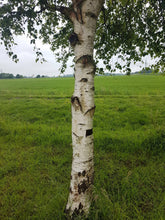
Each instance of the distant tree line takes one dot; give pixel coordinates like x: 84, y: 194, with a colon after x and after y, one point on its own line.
x: 39, y: 76
x: 10, y: 76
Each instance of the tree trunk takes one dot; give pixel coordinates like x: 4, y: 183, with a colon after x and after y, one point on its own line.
x: 84, y: 19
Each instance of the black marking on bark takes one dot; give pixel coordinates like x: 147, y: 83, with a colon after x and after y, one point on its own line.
x: 84, y: 80
x: 87, y: 161
x: 83, y: 173
x: 88, y: 178
x: 92, y: 15
x: 91, y: 73
x: 80, y: 206
x: 91, y: 110
x: 77, y: 212
x: 93, y: 88
x: 83, y: 186
x: 76, y: 103
x: 89, y: 132
x: 71, y: 190
x: 67, y: 211
x: 73, y: 39
x: 75, y: 134
x: 81, y: 124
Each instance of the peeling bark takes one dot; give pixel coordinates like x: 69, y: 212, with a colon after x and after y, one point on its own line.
x: 91, y: 111
x: 76, y: 103
x: 83, y: 107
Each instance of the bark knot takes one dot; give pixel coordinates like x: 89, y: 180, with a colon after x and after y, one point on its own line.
x: 76, y: 103
x: 73, y: 39
x: 84, y: 80
x: 85, y: 59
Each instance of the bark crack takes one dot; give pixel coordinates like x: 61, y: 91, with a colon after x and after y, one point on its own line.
x: 78, y: 140
x: 77, y: 5
x: 91, y: 111
x: 87, y: 161
x: 92, y: 72
x: 75, y: 134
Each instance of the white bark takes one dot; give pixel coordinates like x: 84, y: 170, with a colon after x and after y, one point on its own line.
x: 83, y: 107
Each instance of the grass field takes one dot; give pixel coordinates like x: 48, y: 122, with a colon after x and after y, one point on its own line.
x: 36, y: 152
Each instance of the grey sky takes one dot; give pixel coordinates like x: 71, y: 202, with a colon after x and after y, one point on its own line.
x: 27, y: 65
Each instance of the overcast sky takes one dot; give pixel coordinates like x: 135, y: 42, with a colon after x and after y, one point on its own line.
x: 27, y: 65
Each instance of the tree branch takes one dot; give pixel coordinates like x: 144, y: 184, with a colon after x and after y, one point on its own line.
x: 66, y: 11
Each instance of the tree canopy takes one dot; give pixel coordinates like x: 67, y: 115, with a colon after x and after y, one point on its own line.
x: 130, y: 29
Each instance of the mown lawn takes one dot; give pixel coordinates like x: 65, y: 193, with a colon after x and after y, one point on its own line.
x: 36, y: 152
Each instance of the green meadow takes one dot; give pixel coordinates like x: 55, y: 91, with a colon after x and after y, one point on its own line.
x: 36, y: 151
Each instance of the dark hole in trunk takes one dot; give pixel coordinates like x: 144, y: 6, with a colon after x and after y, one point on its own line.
x: 89, y: 132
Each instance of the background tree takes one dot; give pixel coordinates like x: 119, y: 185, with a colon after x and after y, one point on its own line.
x: 18, y: 76
x: 6, y: 76
x: 130, y: 29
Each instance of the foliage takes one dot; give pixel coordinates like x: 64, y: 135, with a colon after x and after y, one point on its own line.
x: 36, y: 152
x: 130, y: 29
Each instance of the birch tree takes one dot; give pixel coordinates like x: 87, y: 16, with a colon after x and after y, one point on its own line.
x: 89, y: 30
